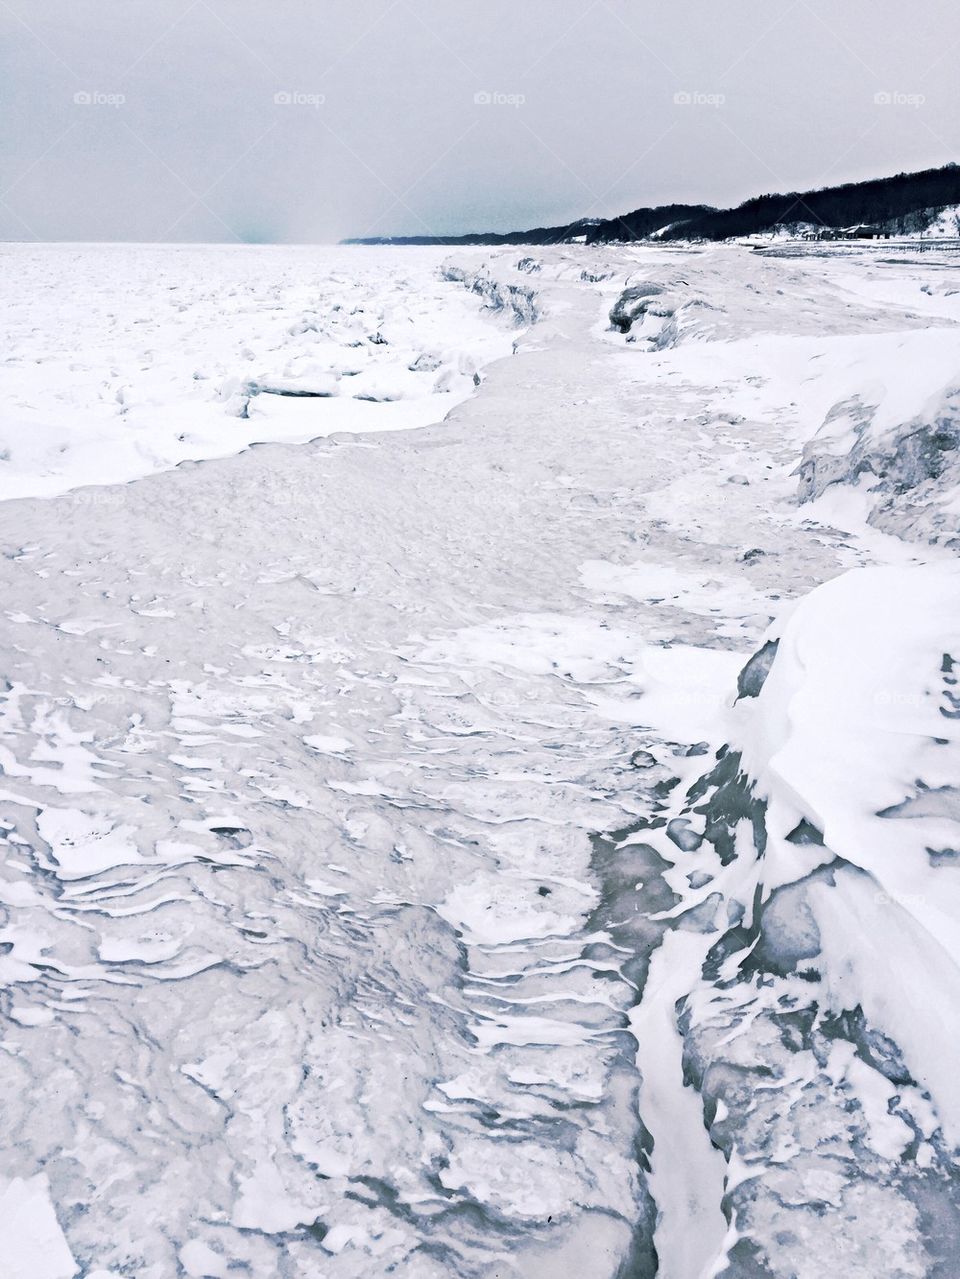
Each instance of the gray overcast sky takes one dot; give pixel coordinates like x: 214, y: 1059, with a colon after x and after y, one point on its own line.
x: 309, y: 120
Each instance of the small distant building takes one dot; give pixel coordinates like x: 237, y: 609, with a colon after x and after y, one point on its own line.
x: 862, y: 232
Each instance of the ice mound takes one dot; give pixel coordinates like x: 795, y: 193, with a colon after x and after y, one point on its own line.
x: 911, y: 469
x: 500, y: 292
x: 657, y: 316
x: 825, y: 891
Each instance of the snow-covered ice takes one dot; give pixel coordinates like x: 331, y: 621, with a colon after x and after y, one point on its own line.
x: 122, y: 360
x: 517, y: 845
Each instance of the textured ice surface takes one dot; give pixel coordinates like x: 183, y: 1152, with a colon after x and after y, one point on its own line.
x: 390, y: 884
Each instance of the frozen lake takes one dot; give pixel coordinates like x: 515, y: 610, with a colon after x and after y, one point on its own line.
x: 358, y: 847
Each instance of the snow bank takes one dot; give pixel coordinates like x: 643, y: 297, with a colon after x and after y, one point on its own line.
x: 856, y: 731
x: 815, y: 864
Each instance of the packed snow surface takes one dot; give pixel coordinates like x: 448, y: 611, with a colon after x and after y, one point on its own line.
x: 518, y: 845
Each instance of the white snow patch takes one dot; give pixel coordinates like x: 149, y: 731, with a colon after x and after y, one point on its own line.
x: 32, y: 1243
